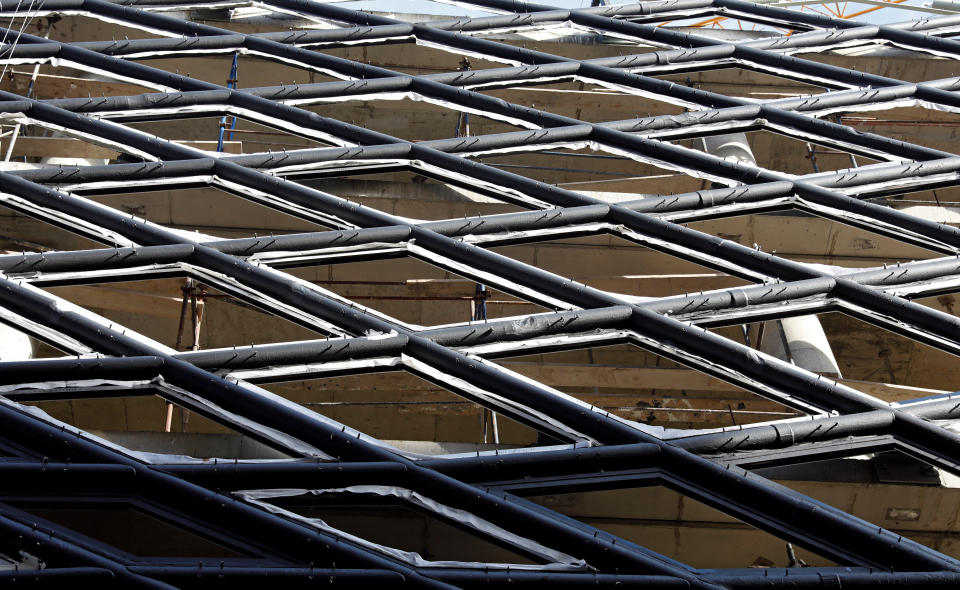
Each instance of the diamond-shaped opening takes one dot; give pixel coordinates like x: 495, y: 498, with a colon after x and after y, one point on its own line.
x: 408, y: 193
x: 616, y: 188
x: 244, y: 15
x: 414, y: 291
x: 584, y: 101
x: 782, y: 153
x: 794, y: 338
x: 642, y: 386
x: 37, y: 146
x: 243, y: 18
x: 192, y: 435
x: 744, y: 82
x: 804, y: 237
x: 252, y: 71
x: 138, y: 422
x: 679, y: 527
x: 889, y: 366
x: 79, y: 27
x: 878, y: 59
x: 257, y: 71
x: 154, y: 308
x: 594, y: 173
x: 64, y: 82
x: 210, y: 211
x: 414, y: 59
x: 400, y: 406
x: 243, y: 135
x: 724, y: 27
x: 855, y: 466
x: 611, y: 263
x: 389, y: 521
x: 127, y: 527
x: 860, y: 12
x: 246, y: 136
x: 891, y: 490
x: 117, y: 410
x: 413, y: 120
x: 416, y: 7
x: 891, y: 14
x: 917, y: 125
x: 937, y: 202
x: 870, y: 359
x: 21, y: 233
x: 584, y: 169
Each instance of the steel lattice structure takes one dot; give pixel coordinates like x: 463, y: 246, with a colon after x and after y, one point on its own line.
x: 484, y: 492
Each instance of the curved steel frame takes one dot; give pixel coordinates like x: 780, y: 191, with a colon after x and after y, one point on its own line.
x: 604, y: 450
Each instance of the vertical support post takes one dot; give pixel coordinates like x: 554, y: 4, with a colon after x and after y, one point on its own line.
x: 232, y: 84
x: 187, y: 286
x: 463, y: 121
x: 33, y: 80
x: 478, y: 312
x: 196, y: 318
x: 197, y: 303
x: 853, y: 160
x: 813, y: 157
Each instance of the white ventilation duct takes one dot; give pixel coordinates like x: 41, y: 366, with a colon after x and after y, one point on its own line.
x: 733, y: 147
x: 800, y: 341
x: 14, y: 345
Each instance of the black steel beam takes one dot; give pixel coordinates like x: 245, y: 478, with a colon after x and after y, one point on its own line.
x: 665, y: 325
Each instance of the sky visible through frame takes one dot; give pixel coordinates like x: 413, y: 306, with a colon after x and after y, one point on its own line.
x: 886, y: 15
